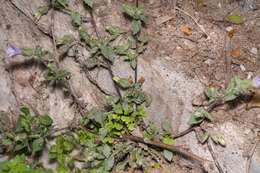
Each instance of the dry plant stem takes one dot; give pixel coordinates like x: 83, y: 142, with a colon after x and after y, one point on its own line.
x: 115, y: 85
x: 68, y: 85
x: 54, y: 39
x: 183, y: 133
x: 109, y: 66
x: 136, y: 42
x: 12, y: 88
x: 175, y: 149
x: 47, y: 33
x: 211, y: 150
x: 50, y: 35
x: 251, y: 154
x: 93, y: 22
x: 194, y: 19
x: 83, y: 65
x: 228, y: 59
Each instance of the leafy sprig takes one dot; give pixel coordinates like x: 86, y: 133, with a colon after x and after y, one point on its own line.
x: 18, y: 164
x: 29, y: 135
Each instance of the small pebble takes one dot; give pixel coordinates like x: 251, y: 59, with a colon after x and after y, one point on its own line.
x: 229, y: 29
x: 209, y: 62
x: 242, y: 67
x: 250, y: 75
x: 254, y: 51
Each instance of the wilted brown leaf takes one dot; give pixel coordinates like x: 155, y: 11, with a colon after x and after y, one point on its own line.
x: 235, y: 53
x: 186, y: 30
x: 141, y: 80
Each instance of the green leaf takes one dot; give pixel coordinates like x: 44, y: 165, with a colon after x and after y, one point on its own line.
x: 62, y: 169
x: 109, y: 163
x: 236, y: 87
x: 65, y: 40
x: 202, y: 136
x: 136, y: 95
x: 97, y: 116
x: 134, y: 12
x: 136, y: 26
x: 129, y: 56
x: 122, y: 49
x: 121, y: 165
x: 140, y: 15
x: 6, y: 142
x: 37, y: 145
x: 42, y: 10
x: 108, y: 52
x: 208, y: 116
x: 68, y: 145
x: 235, y: 19
x: 128, y: 109
x: 111, y: 100
x: 124, y: 83
x: 143, y: 39
x: 27, y: 52
x: 106, y: 150
x: 91, y: 42
x: 89, y: 3
x: 114, y: 30
x: 167, y: 140
x: 46, y: 120
x: 85, y: 138
x: 76, y: 19
x: 212, y: 94
x: 168, y: 155
x: 195, y: 120
x: 37, y: 52
x: 118, y: 109
x: 24, y: 111
x: 151, y: 132
x: 24, y: 120
x: 129, y: 10
x: 83, y: 34
x: 55, y: 75
x: 198, y: 116
x: 63, y: 145
x: 218, y: 139
x: 60, y: 4
x: 18, y: 165
x: 21, y: 141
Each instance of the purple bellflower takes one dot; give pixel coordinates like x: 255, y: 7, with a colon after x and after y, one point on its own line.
x: 12, y: 51
x: 256, y: 82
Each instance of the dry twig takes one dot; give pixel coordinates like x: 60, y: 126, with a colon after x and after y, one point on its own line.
x: 47, y: 33
x: 175, y: 149
x: 251, y: 154
x: 211, y: 150
x: 194, y: 19
x: 109, y: 68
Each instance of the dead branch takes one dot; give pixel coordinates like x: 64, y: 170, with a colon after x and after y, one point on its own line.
x: 211, y: 150
x: 175, y: 149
